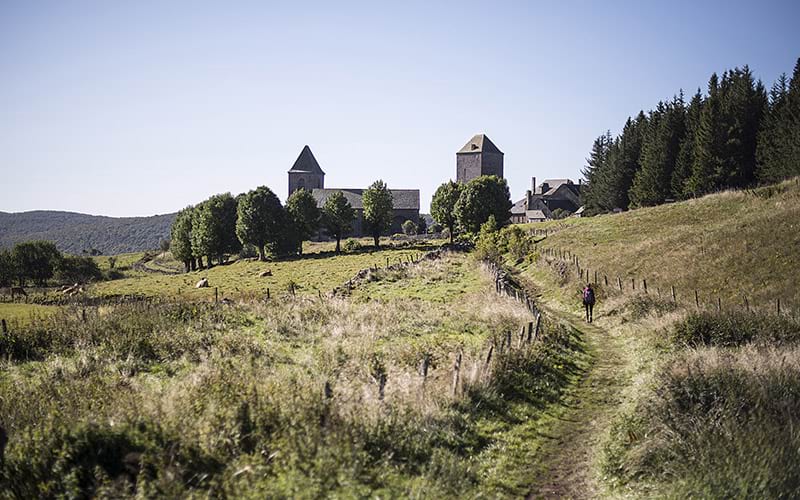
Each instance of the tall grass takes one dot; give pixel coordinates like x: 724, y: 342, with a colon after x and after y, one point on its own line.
x: 269, y: 399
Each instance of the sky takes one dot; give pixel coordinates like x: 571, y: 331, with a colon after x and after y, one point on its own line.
x: 141, y: 108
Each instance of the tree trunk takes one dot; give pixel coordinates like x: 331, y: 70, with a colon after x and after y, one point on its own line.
x: 377, y: 238
x: 186, y: 266
x: 193, y: 264
x: 261, y: 253
x: 451, y: 233
x: 338, y: 238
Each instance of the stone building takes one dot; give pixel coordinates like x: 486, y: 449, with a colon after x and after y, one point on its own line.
x: 307, y: 174
x: 479, y: 156
x: 541, y: 201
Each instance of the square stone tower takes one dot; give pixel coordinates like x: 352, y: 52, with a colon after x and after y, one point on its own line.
x: 478, y: 157
x: 306, y: 172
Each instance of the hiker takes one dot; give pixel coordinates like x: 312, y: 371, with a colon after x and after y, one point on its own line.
x: 588, y: 301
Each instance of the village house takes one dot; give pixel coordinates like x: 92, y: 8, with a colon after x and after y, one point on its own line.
x: 307, y: 174
x: 541, y: 201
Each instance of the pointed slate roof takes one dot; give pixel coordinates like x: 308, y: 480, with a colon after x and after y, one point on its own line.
x: 306, y: 162
x: 479, y: 144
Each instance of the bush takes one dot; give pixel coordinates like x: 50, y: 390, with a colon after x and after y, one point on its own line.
x: 435, y: 228
x: 716, y: 425
x: 351, y: 245
x: 409, y: 228
x: 517, y: 242
x: 77, y: 270
x: 731, y: 328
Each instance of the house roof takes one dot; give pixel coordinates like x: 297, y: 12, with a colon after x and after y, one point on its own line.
x: 402, y: 199
x: 518, y: 207
x: 479, y: 144
x: 535, y: 214
x: 306, y: 162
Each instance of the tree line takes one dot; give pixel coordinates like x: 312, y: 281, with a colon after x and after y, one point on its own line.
x: 41, y: 261
x: 736, y: 135
x: 223, y: 224
x: 466, y: 207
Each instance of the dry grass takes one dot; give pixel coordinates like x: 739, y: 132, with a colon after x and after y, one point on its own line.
x: 730, y: 245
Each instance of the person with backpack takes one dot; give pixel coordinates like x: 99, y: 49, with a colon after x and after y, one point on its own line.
x: 588, y: 301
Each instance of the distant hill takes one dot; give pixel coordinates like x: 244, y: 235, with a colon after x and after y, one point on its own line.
x: 73, y: 233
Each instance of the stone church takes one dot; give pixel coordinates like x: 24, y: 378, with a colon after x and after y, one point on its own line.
x: 307, y: 174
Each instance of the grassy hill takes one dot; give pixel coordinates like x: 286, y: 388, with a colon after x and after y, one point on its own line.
x: 705, y: 402
x: 733, y: 245
x: 74, y: 232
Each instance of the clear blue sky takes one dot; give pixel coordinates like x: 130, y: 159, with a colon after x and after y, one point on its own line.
x: 139, y: 108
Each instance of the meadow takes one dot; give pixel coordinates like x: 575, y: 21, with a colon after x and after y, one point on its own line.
x: 295, y: 396
x: 708, y: 403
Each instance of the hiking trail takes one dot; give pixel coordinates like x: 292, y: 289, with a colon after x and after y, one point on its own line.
x: 568, y: 460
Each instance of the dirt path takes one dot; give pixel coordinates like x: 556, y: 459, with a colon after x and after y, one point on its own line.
x: 569, y: 459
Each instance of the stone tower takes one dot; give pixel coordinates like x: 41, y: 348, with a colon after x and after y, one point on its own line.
x: 306, y: 172
x: 478, y: 157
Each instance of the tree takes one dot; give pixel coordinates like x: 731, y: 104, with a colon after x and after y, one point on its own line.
x: 667, y: 126
x: 409, y: 228
x: 687, y: 150
x: 302, y: 210
x: 181, y: 238
x: 482, y: 197
x: 73, y: 269
x: 259, y: 219
x: 7, y: 270
x: 36, y: 260
x: 422, y: 226
x: 443, y: 205
x: 378, y: 209
x: 337, y: 216
x: 597, y: 193
x: 779, y: 140
x: 214, y: 228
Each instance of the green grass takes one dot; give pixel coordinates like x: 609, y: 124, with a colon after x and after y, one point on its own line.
x: 18, y: 313
x: 185, y: 398
x: 730, y: 245
x: 310, y: 274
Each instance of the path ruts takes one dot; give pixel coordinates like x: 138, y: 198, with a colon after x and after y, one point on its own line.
x: 568, y: 461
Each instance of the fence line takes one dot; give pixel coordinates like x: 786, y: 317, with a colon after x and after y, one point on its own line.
x: 569, y: 259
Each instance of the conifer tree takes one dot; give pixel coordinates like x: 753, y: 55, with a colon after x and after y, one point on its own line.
x: 652, y: 183
x: 778, y: 151
x: 596, y: 193
x: 686, y: 153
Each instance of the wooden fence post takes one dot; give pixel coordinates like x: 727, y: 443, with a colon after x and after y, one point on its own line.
x: 633, y: 283
x: 644, y: 285
x: 605, y: 279
x: 508, y: 340
x: 746, y: 304
x: 619, y: 283
x: 719, y: 304
x: 4, y: 325
x: 216, y: 295
x: 489, y: 356
x: 456, y: 374
x: 267, y: 293
x: 381, y: 386
x: 536, y: 328
x: 595, y: 277
x: 696, y: 300
x: 673, y: 292
x: 83, y: 315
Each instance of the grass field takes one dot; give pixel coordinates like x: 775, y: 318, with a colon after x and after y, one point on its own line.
x: 19, y: 313
x: 294, y: 397
x: 731, y: 245
x: 311, y: 273
x: 708, y: 399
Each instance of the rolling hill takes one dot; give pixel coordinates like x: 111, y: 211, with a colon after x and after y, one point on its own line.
x: 73, y: 232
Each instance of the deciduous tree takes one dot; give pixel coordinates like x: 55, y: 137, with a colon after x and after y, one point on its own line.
x: 259, y: 219
x: 378, y: 209
x: 443, y: 205
x: 482, y: 197
x: 337, y: 216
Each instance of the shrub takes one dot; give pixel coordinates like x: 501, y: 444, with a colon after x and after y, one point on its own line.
x: 733, y: 328
x: 409, y: 228
x: 716, y: 425
x: 435, y: 228
x: 77, y: 270
x: 351, y: 245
